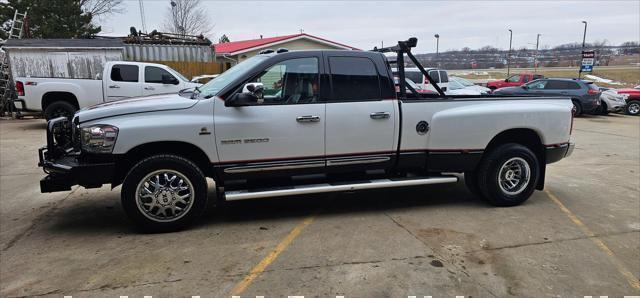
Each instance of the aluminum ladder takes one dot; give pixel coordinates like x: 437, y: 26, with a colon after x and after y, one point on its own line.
x: 6, y: 82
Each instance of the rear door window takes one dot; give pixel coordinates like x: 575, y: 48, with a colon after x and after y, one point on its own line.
x: 556, y: 85
x: 434, y: 75
x: 416, y: 77
x: 354, y: 79
x: 124, y: 73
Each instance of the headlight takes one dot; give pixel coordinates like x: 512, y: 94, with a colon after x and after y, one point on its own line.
x: 99, y: 138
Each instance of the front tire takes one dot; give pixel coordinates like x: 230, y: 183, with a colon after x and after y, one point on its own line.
x: 633, y: 108
x: 164, y: 193
x: 507, y: 176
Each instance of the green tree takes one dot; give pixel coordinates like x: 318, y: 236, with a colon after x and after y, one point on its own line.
x: 50, y: 19
x: 224, y: 38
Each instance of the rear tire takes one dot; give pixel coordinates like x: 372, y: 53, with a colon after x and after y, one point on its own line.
x: 59, y: 109
x: 633, y: 108
x: 164, y: 193
x: 577, y: 108
x: 508, y: 175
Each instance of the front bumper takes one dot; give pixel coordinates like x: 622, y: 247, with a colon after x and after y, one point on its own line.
x: 67, y: 171
x: 64, y: 164
x: 557, y: 152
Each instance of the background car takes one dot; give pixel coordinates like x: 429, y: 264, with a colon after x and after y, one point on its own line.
x: 441, y: 77
x: 585, y: 95
x: 514, y: 80
x: 456, y: 88
x: 469, y: 85
x: 633, y: 101
x: 611, y: 101
x: 413, y: 85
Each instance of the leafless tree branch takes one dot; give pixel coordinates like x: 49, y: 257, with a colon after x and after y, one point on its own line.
x: 187, y: 17
x: 99, y: 8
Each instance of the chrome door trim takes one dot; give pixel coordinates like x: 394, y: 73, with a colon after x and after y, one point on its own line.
x: 380, y: 115
x: 357, y: 160
x: 274, y: 167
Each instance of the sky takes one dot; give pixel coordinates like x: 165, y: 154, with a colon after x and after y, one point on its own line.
x: 365, y: 24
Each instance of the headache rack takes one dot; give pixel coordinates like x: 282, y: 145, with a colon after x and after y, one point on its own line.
x: 402, y: 48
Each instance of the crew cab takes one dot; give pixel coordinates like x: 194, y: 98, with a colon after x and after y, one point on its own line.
x: 303, y: 122
x: 514, y: 80
x: 56, y: 97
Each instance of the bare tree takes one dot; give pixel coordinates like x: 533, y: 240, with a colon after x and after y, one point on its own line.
x: 187, y: 17
x: 98, y: 8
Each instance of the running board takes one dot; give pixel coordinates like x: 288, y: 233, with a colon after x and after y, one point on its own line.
x: 326, y: 187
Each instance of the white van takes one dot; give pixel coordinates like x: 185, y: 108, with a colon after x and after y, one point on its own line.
x: 441, y: 77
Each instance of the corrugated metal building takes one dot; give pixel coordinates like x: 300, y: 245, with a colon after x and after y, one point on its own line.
x: 61, y: 58
x: 84, y: 58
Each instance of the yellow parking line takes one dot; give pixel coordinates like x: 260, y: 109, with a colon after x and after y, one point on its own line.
x: 272, y: 256
x: 633, y: 281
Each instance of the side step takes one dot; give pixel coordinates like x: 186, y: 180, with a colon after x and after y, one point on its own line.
x: 326, y: 187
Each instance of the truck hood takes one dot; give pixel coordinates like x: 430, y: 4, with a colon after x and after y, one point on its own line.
x: 135, y: 105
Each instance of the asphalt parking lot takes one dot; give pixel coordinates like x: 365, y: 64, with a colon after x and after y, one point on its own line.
x: 581, y: 236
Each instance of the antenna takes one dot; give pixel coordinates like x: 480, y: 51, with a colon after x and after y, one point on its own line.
x: 144, y: 25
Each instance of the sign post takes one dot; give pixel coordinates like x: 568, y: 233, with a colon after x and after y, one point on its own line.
x: 588, y: 60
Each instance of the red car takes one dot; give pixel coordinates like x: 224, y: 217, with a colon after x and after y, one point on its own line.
x: 633, y: 101
x: 514, y: 80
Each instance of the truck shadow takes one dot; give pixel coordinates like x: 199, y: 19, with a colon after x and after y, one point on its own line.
x: 104, y: 214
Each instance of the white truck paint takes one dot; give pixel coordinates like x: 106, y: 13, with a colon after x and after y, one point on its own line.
x: 120, y: 79
x: 250, y: 132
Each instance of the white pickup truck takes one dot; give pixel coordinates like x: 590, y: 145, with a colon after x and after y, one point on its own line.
x: 63, y: 97
x: 303, y: 122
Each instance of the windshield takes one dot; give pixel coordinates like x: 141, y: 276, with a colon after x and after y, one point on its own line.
x: 454, y: 85
x: 214, y: 86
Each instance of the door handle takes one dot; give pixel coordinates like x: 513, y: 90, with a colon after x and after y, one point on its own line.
x: 114, y: 87
x: 379, y: 115
x: 308, y: 119
x: 149, y: 88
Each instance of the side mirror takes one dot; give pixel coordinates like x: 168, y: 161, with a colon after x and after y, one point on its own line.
x: 169, y: 80
x: 506, y: 80
x: 525, y: 87
x: 251, y: 93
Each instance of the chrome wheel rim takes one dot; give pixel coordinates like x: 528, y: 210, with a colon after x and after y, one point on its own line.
x: 514, y: 176
x: 164, y: 195
x: 634, y: 108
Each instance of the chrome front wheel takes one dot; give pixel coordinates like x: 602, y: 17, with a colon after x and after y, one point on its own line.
x: 164, y: 195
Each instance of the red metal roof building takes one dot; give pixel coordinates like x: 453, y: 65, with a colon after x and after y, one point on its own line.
x: 236, y: 51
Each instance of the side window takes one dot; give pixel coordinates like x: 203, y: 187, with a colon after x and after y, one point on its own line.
x: 555, y: 85
x: 537, y: 85
x: 526, y: 78
x: 416, y: 77
x: 124, y: 73
x: 154, y: 74
x: 444, y: 77
x: 572, y: 85
x: 514, y: 79
x: 293, y: 81
x: 353, y: 79
x: 434, y: 75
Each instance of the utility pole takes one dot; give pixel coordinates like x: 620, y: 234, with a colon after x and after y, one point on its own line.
x: 584, y: 38
x: 437, y: 36
x: 509, y: 56
x: 535, y: 58
x: 142, y: 17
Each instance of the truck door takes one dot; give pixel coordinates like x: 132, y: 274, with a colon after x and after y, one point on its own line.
x: 122, y: 82
x: 159, y: 81
x: 284, y: 132
x: 360, y: 123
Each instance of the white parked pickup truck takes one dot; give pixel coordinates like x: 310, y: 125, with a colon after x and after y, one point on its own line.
x: 303, y: 122
x: 63, y: 97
